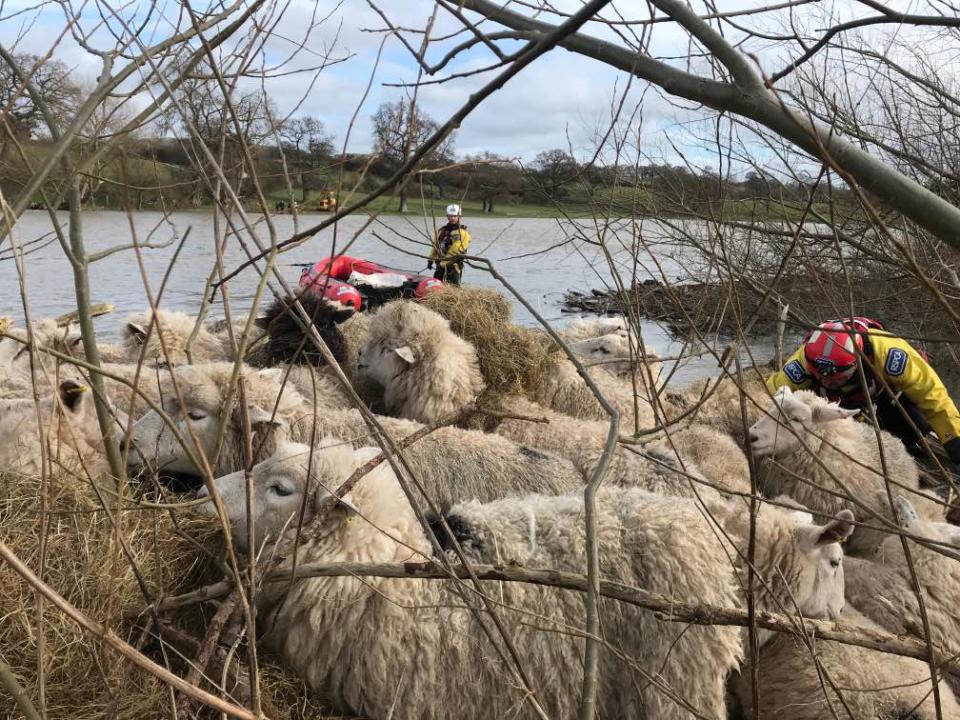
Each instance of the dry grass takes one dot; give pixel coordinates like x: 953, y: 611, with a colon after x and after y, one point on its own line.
x: 513, y: 359
x: 84, y: 561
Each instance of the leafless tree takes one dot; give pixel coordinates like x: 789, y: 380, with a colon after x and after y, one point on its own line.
x: 400, y: 127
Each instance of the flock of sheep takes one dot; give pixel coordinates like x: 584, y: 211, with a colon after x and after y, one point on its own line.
x: 497, y: 478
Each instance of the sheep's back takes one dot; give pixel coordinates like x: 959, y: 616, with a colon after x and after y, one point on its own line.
x: 663, y: 545
x: 874, y: 684
x: 456, y: 464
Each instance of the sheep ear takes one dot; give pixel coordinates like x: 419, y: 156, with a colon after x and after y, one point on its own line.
x: 73, y: 339
x: 907, y: 515
x: 136, y: 332
x: 837, y: 530
x: 347, y: 507
x: 260, y: 417
x: 831, y: 412
x: 342, y: 504
x: 407, y: 354
x: 275, y: 374
x: 340, y: 316
x: 71, y: 394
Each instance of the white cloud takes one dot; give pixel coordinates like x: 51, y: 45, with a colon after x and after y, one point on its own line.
x: 561, y: 98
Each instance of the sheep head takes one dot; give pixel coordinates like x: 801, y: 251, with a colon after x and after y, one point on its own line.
x: 141, y: 336
x: 426, y: 371
x: 202, y: 387
x: 800, y: 565
x: 793, y: 417
x: 75, y: 402
x: 821, y: 586
x: 294, y: 479
x: 286, y: 338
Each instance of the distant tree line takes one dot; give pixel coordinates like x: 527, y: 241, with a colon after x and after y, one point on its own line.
x: 176, y: 160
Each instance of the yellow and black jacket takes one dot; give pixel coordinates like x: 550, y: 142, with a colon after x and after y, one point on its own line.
x: 450, y: 244
x: 898, y: 364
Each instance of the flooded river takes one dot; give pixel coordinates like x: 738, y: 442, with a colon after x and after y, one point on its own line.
x: 540, y: 258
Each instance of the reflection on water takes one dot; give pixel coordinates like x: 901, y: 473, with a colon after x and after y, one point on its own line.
x: 540, y: 258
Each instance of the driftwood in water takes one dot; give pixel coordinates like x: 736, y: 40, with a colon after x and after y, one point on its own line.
x: 680, y: 307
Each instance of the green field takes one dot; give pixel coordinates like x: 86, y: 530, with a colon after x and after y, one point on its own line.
x: 603, y: 203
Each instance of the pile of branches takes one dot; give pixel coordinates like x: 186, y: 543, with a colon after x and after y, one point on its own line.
x: 724, y: 307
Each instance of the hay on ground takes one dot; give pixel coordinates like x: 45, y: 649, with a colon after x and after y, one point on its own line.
x: 84, y: 561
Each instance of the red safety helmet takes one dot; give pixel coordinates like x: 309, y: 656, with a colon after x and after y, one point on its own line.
x: 831, y: 351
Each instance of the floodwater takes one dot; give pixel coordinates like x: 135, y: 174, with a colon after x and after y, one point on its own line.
x: 540, y: 258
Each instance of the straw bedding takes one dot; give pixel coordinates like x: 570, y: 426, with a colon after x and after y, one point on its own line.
x: 59, y: 525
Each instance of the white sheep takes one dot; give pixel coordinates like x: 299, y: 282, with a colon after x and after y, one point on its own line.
x: 716, y: 402
x: 613, y: 353
x: 654, y: 468
x: 882, y: 589
x: 67, y: 429
x: 796, y: 683
x: 411, y: 649
x: 586, y: 328
x: 452, y: 463
x: 427, y: 372
x: 714, y: 453
x: 202, y: 388
x: 564, y: 390
x: 815, y: 452
x: 799, y: 566
x: 176, y: 329
x: 15, y: 357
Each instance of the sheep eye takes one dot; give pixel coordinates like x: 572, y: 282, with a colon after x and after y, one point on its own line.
x: 281, y: 490
x: 195, y: 415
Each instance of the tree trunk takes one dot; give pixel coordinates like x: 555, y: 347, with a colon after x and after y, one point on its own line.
x: 404, y: 205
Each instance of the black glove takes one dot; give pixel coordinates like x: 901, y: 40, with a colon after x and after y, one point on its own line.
x: 953, y: 450
x: 429, y: 264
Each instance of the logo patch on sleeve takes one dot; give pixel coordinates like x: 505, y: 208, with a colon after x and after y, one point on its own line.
x: 795, y: 372
x: 896, y: 362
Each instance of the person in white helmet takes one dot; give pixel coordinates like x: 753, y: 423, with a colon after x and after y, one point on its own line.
x: 449, y: 247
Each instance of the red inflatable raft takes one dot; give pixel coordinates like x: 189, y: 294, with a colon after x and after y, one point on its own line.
x: 350, y: 282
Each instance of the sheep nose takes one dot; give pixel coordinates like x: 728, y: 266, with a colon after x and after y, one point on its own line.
x: 754, y: 438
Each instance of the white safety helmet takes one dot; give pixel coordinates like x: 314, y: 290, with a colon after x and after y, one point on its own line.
x: 453, y: 210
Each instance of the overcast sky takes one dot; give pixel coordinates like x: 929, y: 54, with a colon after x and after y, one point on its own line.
x: 561, y: 99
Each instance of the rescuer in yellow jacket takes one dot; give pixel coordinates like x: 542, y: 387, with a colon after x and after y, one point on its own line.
x: 826, y: 363
x: 449, y: 247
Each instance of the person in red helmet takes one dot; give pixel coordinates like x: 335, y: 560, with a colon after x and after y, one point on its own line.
x: 906, y: 391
